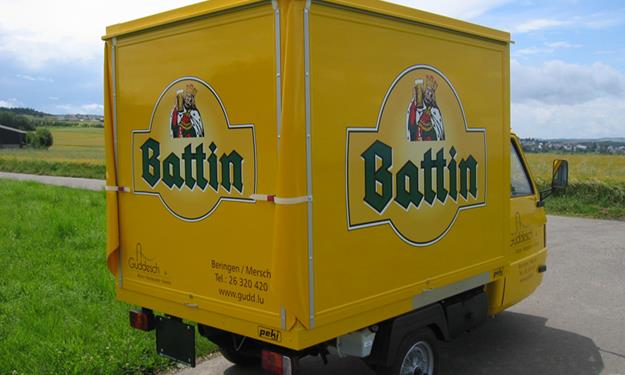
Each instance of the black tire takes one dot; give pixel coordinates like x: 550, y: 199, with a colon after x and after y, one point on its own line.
x: 240, y: 358
x: 421, y: 343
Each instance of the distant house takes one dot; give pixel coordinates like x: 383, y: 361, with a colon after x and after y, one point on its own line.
x: 11, y: 137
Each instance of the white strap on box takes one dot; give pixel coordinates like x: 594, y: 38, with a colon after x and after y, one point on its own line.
x: 122, y: 189
x: 281, y: 200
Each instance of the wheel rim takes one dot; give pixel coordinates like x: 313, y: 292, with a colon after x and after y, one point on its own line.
x: 419, y: 360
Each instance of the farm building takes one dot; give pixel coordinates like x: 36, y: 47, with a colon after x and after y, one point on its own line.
x: 11, y: 137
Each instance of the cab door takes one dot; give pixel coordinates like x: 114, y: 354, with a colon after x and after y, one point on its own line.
x: 526, y: 241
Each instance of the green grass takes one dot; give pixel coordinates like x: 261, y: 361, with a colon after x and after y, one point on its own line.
x: 596, y: 199
x: 58, y: 313
x: 582, y: 167
x: 83, y: 145
x: 596, y: 185
x: 595, y: 179
x: 53, y: 168
x: 77, y: 152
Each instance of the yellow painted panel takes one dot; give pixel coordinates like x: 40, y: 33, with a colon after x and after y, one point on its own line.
x: 197, y: 139
x: 371, y: 245
x: 523, y: 277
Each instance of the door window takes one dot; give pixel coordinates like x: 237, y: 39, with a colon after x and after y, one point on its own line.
x: 520, y: 184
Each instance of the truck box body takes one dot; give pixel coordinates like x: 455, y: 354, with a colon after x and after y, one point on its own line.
x: 293, y: 171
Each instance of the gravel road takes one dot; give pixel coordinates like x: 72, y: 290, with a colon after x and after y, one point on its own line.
x: 74, y: 182
x: 574, y: 324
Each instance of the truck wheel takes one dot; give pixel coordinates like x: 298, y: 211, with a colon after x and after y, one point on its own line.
x: 240, y: 358
x: 417, y: 355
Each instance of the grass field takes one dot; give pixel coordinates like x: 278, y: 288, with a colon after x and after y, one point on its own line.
x: 596, y: 185
x: 582, y: 167
x: 58, y: 313
x: 77, y: 152
x: 71, y: 145
x: 596, y: 190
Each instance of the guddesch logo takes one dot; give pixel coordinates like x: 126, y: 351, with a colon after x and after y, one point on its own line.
x: 191, y: 156
x: 420, y: 166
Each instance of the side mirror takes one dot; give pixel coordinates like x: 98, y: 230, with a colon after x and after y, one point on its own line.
x: 559, y: 180
x: 560, y: 176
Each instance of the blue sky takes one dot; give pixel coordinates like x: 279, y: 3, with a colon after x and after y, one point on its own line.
x: 567, y: 69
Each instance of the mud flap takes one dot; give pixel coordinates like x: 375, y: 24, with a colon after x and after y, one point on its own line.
x: 175, y: 339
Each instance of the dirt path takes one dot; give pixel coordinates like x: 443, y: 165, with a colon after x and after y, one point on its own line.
x: 73, y: 182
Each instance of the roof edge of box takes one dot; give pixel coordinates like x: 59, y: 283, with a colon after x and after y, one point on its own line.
x: 175, y: 15
x: 423, y: 17
x: 372, y: 6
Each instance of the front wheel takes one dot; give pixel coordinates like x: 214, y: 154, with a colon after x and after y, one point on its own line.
x: 417, y: 355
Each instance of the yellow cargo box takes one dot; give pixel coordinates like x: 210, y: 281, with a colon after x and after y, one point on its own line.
x: 311, y: 176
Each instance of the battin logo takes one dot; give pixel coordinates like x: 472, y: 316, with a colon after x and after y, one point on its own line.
x: 191, y: 156
x: 424, y: 119
x: 185, y: 119
x: 420, y: 165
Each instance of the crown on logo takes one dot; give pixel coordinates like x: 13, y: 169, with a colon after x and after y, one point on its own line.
x: 190, y: 90
x: 430, y: 82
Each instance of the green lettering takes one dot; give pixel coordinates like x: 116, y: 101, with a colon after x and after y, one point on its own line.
x: 236, y: 161
x: 171, y: 171
x: 200, y: 157
x: 427, y: 165
x: 382, y: 175
x: 188, y: 157
x: 441, y: 193
x: 468, y: 177
x: 453, y: 179
x: 151, y: 167
x: 212, y: 166
x: 409, y: 173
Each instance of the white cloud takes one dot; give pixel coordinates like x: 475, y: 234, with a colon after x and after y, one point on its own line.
x: 463, y: 9
x: 36, y: 32
x: 561, y: 100
x: 596, y: 21
x: 547, y: 49
x: 597, y: 118
x: 10, y: 103
x: 532, y: 51
x: 31, y: 78
x: 83, y: 109
x: 557, y: 82
x: 602, y: 20
x: 538, y: 24
x: 563, y: 45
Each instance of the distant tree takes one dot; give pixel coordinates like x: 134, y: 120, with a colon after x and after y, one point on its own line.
x: 41, y: 138
x: 13, y: 120
x: 24, y: 111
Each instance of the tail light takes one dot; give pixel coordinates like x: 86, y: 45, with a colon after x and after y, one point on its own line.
x: 276, y: 363
x: 142, y: 319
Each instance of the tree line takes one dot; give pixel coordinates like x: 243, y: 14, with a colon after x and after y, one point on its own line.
x: 14, y: 118
x: 29, y: 119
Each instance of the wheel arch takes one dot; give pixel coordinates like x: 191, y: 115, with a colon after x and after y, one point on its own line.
x: 391, y: 332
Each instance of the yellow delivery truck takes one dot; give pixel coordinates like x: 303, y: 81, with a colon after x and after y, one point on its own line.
x: 310, y: 177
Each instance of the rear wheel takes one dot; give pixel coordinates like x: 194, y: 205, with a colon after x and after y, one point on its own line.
x: 240, y: 358
x: 417, y: 355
